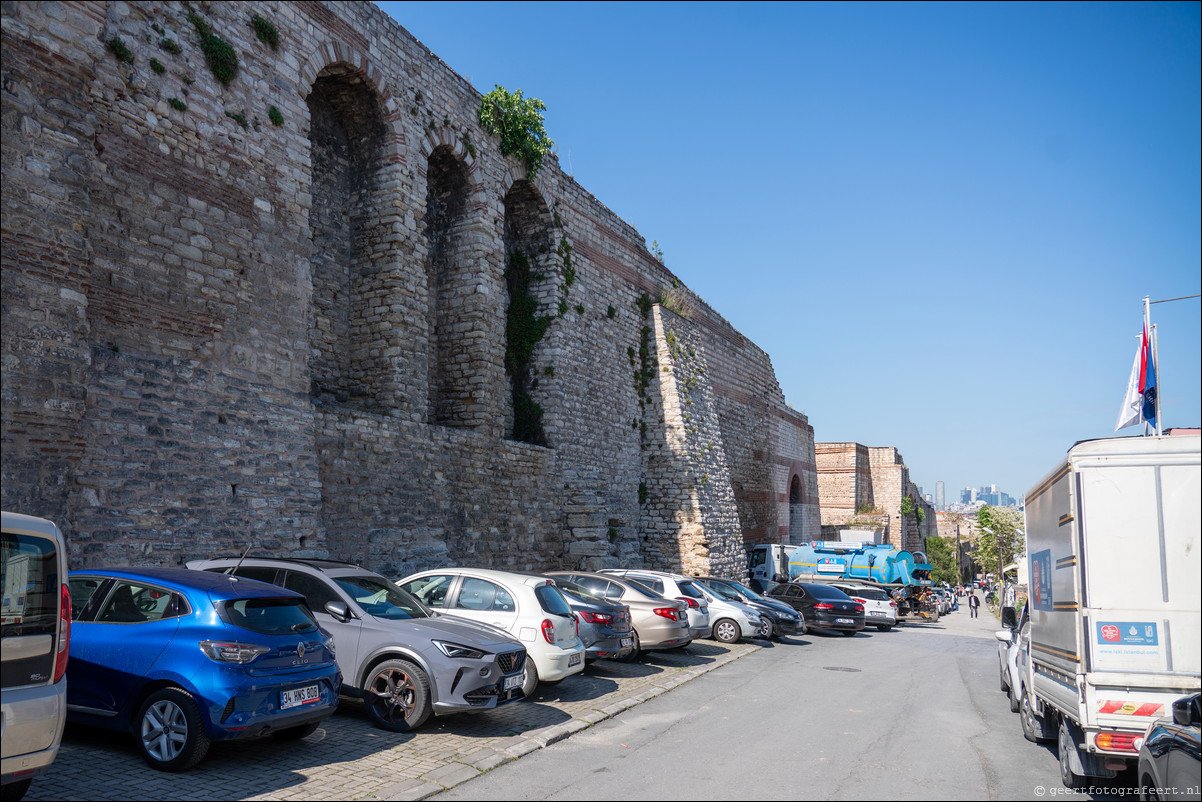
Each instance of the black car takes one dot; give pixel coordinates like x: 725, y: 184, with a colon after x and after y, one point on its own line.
x: 776, y: 618
x: 1170, y: 757
x: 822, y: 606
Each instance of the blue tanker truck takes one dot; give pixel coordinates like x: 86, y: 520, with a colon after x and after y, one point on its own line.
x: 902, y: 574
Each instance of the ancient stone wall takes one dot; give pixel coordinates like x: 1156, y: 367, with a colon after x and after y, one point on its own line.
x: 272, y: 312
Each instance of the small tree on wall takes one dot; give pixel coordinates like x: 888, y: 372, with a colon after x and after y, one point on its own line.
x: 518, y: 121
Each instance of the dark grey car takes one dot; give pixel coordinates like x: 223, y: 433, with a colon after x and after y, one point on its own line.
x: 604, y: 625
x: 406, y: 661
x: 659, y: 623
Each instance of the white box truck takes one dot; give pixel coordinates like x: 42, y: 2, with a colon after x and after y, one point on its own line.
x: 1116, y: 631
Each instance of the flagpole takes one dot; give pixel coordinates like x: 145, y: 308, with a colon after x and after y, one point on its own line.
x: 1159, y: 385
x: 1148, y: 330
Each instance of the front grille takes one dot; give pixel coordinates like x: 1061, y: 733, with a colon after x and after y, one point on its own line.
x: 511, y: 662
x: 480, y: 696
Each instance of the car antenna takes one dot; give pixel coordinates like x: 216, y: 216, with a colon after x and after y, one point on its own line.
x: 234, y: 568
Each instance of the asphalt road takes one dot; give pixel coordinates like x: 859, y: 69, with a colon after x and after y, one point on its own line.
x: 915, y: 713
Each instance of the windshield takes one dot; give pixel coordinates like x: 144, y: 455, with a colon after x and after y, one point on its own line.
x: 379, y: 597
x: 746, y: 591
x: 269, y: 616
x: 690, y: 590
x: 643, y: 589
x: 552, y: 601
x: 722, y: 591
x: 571, y: 588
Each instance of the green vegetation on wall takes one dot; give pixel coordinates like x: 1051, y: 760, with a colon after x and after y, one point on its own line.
x: 518, y: 121
x: 524, y: 327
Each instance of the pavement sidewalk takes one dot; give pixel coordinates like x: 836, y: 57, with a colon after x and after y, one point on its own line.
x: 348, y: 758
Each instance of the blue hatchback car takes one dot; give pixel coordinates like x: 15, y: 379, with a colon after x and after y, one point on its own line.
x: 181, y: 658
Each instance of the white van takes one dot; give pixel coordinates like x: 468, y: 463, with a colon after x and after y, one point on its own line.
x: 35, y: 627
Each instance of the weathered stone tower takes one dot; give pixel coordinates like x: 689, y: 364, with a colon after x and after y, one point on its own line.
x: 270, y: 309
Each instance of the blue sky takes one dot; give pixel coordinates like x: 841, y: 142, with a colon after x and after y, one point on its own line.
x: 939, y: 220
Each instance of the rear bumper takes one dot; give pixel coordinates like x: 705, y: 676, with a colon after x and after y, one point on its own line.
x: 247, y: 711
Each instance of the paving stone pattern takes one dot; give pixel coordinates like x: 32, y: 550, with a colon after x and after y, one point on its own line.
x: 348, y: 758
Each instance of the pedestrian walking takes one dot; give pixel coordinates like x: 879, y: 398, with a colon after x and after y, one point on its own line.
x: 974, y: 604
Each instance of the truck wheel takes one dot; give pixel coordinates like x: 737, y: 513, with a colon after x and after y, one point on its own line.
x: 726, y: 631
x: 1001, y: 678
x: 1015, y: 701
x: 1065, y: 748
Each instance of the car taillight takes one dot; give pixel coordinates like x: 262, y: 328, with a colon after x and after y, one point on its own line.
x: 228, y: 651
x: 595, y: 618
x: 861, y: 601
x: 666, y: 612
x: 688, y: 601
x: 893, y: 604
x: 859, y: 608
x: 549, y: 631
x: 824, y: 606
x: 1117, y: 741
x: 64, y: 628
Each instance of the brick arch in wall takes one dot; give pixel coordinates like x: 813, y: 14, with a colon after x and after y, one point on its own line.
x: 357, y: 155
x: 796, y: 507
x: 457, y: 264
x: 534, y: 271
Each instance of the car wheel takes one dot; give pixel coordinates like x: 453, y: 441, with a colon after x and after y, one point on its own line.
x: 397, y: 696
x: 297, y: 733
x: 529, y: 678
x: 766, y: 629
x: 1147, y: 789
x: 849, y: 632
x: 1065, y: 747
x: 1032, y: 726
x: 1001, y: 678
x: 171, y: 732
x: 884, y: 627
x: 634, y: 653
x: 726, y: 631
x: 14, y: 791
x: 1015, y: 701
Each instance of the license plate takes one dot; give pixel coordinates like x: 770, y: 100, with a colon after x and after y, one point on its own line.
x: 574, y: 660
x: 627, y: 642
x: 875, y: 612
x: 845, y: 621
x: 513, y: 682
x: 299, y: 696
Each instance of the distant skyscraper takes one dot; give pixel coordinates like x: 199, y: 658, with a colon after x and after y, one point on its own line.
x: 939, y: 505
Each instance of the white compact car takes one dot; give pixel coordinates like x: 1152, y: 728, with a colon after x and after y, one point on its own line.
x: 731, y: 620
x: 879, y: 610
x: 526, y: 606
x: 674, y: 586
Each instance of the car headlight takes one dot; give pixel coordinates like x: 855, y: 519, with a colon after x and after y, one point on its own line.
x: 456, y: 650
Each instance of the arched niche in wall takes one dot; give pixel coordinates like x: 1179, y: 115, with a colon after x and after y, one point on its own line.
x: 353, y: 262
x: 533, y: 273
x: 450, y: 283
x: 795, y: 510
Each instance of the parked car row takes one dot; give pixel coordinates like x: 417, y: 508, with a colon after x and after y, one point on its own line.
x: 237, y: 648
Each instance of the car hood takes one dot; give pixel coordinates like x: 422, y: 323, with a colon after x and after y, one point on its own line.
x: 461, y: 630
x: 769, y: 606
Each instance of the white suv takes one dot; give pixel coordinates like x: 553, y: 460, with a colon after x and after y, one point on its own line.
x: 526, y: 606
x: 35, y: 628
x: 674, y: 586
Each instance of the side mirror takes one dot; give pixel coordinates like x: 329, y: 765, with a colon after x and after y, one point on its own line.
x: 1185, y: 711
x: 1009, y: 619
x: 1002, y: 635
x: 339, y: 610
